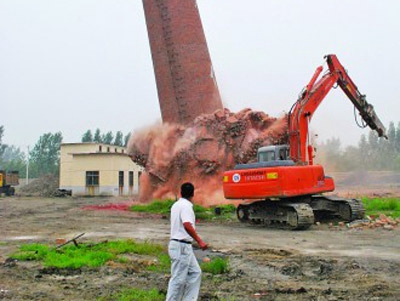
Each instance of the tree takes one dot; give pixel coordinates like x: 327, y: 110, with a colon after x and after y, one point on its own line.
x: 11, y: 157
x: 2, y: 146
x: 108, y: 138
x: 333, y: 153
x: 127, y: 137
x: 97, y: 136
x: 14, y: 159
x: 87, y: 137
x: 373, y: 146
x: 350, y: 160
x: 46, y: 154
x: 397, y: 139
x: 388, y: 147
x: 363, y: 150
x: 13, y: 153
x: 119, y: 139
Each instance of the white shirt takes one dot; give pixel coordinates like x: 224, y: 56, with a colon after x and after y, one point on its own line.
x: 181, y: 212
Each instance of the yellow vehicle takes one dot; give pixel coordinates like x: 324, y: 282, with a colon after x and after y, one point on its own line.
x: 7, y: 182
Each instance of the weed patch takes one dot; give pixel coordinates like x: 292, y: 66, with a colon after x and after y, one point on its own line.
x: 223, y: 212
x: 163, y: 266
x: 387, y: 206
x: 160, y: 207
x: 135, y: 294
x: 90, y: 255
x: 217, y: 265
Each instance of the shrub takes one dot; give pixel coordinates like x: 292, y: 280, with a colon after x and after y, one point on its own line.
x: 217, y: 265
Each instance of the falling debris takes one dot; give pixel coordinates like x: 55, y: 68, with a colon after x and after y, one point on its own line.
x: 201, y: 151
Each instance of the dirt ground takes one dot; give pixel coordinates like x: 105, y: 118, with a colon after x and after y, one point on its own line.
x: 321, y: 263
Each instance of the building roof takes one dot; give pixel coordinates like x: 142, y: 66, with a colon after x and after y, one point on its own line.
x: 100, y: 153
x: 93, y: 143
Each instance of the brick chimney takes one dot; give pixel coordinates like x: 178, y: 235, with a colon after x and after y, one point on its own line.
x: 185, y: 78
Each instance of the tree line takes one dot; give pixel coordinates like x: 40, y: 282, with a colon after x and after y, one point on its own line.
x: 108, y: 138
x: 371, y: 153
x: 44, y: 157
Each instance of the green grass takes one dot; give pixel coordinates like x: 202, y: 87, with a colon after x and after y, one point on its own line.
x: 163, y: 266
x: 227, y: 211
x: 387, y: 206
x: 95, y: 255
x: 90, y: 255
x: 202, y: 213
x: 217, y: 265
x: 31, y: 252
x: 161, y: 207
x: 134, y: 294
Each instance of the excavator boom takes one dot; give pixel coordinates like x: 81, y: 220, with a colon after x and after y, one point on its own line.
x: 302, y: 111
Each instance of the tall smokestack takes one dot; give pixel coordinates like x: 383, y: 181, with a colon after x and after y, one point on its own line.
x: 184, y: 74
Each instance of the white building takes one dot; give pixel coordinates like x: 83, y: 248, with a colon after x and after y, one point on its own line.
x: 98, y: 169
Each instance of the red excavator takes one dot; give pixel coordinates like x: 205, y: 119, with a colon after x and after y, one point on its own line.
x: 284, y: 188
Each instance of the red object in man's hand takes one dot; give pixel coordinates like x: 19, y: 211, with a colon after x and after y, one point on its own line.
x: 203, y: 245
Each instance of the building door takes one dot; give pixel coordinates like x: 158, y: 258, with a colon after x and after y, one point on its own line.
x: 131, y: 183
x: 138, y: 183
x: 121, y: 182
x: 92, y: 183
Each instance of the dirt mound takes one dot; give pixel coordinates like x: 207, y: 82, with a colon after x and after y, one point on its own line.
x: 45, y: 186
x: 201, y: 152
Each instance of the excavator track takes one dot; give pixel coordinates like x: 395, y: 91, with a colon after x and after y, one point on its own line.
x: 300, y: 213
x: 328, y: 207
x: 277, y: 214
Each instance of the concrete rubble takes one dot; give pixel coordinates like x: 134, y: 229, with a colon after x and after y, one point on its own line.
x: 370, y: 222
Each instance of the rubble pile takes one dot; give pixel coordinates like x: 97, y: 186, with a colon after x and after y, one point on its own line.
x: 45, y: 186
x: 371, y: 222
x: 201, y: 151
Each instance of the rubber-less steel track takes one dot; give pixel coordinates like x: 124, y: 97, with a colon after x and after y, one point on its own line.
x: 300, y: 213
x: 326, y: 207
x: 283, y: 215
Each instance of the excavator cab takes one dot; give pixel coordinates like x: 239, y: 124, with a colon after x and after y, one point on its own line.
x: 273, y: 153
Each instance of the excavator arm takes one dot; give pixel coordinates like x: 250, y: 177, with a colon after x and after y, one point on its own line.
x: 309, y: 100
x: 365, y: 109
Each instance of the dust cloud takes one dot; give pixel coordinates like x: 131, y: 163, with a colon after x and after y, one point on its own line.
x: 201, y: 152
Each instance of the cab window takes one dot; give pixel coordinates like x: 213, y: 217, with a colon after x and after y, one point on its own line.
x: 266, y: 156
x: 282, y: 154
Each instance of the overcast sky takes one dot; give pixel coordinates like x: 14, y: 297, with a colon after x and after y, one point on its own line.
x: 75, y: 65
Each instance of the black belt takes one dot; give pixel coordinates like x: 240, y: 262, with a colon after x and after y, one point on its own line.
x: 182, y: 241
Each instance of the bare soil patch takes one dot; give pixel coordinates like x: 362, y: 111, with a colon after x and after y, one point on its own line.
x: 321, y: 263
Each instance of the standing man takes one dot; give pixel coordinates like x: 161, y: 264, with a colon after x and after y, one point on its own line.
x: 184, y: 284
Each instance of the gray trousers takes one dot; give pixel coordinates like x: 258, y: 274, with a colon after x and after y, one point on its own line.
x: 184, y: 284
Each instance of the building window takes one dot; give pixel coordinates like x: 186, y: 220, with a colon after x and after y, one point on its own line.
x: 131, y: 178
x: 121, y: 178
x: 92, y: 178
x: 116, y: 150
x: 100, y: 148
x: 108, y: 149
